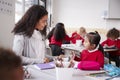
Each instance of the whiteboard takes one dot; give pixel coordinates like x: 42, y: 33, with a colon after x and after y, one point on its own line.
x: 7, y: 22
x: 114, y: 9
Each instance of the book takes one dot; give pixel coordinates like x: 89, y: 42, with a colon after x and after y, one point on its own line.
x: 43, y: 66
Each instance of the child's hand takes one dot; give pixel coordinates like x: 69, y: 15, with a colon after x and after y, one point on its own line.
x: 46, y: 60
x: 73, y: 56
x: 71, y: 65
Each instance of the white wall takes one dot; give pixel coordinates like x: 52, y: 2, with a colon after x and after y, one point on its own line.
x: 7, y: 24
x: 87, y: 13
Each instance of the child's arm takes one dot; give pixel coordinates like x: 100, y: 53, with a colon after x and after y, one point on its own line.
x: 75, y: 57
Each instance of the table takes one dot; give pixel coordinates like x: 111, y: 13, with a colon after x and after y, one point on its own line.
x: 108, y: 53
x: 72, y: 47
x: 50, y: 74
x: 110, y: 50
x: 37, y: 74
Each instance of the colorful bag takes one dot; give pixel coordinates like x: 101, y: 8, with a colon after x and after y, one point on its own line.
x: 88, y: 65
x: 112, y: 70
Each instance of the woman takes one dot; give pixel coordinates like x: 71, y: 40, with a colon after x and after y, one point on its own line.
x: 30, y: 32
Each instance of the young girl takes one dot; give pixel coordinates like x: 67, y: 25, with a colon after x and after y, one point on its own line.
x: 93, y: 51
x: 76, y: 37
x: 57, y: 38
x: 112, y: 41
x: 30, y: 32
x: 82, y: 32
x: 79, y: 36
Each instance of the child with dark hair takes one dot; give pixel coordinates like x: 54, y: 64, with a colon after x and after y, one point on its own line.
x: 112, y: 41
x: 30, y: 33
x: 59, y: 34
x: 93, y: 50
x: 10, y: 66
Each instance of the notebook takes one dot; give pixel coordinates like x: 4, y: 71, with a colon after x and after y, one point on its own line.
x: 43, y: 66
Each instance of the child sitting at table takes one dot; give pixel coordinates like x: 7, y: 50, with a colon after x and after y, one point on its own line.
x: 58, y: 35
x: 112, y: 41
x: 79, y: 36
x: 76, y: 37
x: 10, y: 65
x: 93, y: 50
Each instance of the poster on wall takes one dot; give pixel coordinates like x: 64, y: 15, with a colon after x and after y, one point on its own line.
x: 7, y: 7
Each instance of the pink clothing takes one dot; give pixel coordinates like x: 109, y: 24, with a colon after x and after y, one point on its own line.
x: 92, y: 56
x: 110, y: 42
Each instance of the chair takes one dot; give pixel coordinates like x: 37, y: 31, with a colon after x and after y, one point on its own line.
x: 49, y: 51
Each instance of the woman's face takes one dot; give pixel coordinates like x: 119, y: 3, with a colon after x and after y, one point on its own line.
x: 42, y: 23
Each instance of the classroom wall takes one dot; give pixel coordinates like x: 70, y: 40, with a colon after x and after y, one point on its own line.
x: 87, y: 13
x: 6, y: 22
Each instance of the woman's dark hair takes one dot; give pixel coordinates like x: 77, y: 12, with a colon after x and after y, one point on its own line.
x: 114, y: 33
x: 50, y: 33
x: 27, y: 23
x: 94, y: 38
x: 59, y: 32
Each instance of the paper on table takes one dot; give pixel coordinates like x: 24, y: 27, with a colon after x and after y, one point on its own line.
x: 43, y: 66
x: 79, y: 72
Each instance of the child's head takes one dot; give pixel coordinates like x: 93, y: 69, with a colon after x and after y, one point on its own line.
x: 59, y: 32
x: 113, y: 34
x: 92, y: 40
x: 82, y: 31
x: 10, y: 66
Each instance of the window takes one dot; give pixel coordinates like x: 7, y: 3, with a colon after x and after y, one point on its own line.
x: 21, y: 7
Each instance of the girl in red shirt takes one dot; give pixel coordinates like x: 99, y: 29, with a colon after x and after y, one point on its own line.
x: 80, y: 35
x: 112, y: 41
x: 55, y: 41
x: 93, y: 51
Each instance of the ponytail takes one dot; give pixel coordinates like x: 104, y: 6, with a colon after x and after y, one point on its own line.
x: 101, y: 49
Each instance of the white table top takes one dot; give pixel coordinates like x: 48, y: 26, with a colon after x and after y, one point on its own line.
x: 72, y: 47
x: 64, y: 74
x: 107, y: 50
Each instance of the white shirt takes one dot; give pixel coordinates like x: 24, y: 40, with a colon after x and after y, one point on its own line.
x: 32, y: 50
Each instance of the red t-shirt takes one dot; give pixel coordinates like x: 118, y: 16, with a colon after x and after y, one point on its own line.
x: 91, y: 56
